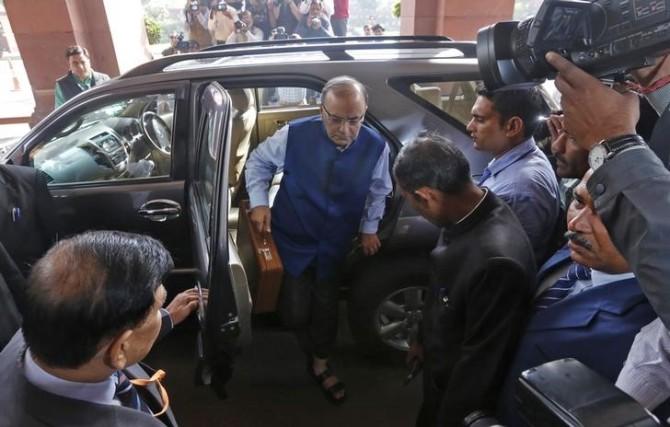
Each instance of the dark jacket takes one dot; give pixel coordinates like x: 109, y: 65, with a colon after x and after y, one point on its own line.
x: 70, y: 88
x: 25, y: 405
x: 28, y: 223
x: 483, y: 277
x: 596, y: 327
x: 11, y: 284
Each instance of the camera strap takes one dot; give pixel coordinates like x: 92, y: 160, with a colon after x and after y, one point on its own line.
x: 646, y: 90
x: 658, y: 142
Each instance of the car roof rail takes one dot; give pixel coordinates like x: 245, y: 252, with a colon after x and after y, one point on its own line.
x: 325, y: 40
x: 333, y: 47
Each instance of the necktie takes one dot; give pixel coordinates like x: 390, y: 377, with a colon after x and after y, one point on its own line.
x: 563, y: 286
x: 484, y: 176
x: 127, y: 394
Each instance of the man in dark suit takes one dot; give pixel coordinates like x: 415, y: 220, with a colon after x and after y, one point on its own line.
x: 482, y: 279
x: 28, y: 223
x: 93, y: 311
x: 591, y: 312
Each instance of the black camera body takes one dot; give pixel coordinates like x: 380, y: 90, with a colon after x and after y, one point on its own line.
x: 279, y: 33
x: 221, y: 6
x: 606, y: 38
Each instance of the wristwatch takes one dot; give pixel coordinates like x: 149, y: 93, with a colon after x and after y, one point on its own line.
x: 608, y: 148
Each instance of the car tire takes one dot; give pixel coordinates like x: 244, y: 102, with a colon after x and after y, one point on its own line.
x: 385, y: 303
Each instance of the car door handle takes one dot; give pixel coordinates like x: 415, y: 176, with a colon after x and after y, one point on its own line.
x: 160, y: 210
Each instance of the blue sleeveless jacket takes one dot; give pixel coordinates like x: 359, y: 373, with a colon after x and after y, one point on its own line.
x: 320, y: 203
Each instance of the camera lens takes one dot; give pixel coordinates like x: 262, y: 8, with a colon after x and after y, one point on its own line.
x: 506, y: 59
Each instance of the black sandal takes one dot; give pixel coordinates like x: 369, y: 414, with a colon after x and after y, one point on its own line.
x: 331, y: 391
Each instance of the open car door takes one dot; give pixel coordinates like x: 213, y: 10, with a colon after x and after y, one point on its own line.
x: 225, y: 322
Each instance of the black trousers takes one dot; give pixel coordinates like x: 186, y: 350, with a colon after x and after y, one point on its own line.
x: 310, y: 307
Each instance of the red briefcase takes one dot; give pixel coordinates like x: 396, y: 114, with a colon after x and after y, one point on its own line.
x: 261, y: 262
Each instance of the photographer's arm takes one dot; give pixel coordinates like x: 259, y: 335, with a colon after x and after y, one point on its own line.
x: 295, y: 10
x: 631, y: 191
x: 273, y: 13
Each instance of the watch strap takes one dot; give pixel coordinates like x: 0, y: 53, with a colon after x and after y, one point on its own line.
x: 621, y: 143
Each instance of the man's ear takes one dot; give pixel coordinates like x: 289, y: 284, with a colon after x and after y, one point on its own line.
x: 116, y: 353
x: 424, y: 195
x: 514, y: 127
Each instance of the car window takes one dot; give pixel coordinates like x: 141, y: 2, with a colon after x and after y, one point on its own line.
x: 288, y: 96
x: 122, y: 140
x: 206, y: 168
x: 454, y: 98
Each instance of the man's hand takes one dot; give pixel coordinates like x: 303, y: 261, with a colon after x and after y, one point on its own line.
x: 592, y: 111
x: 260, y: 217
x: 555, y: 125
x: 184, y: 304
x: 370, y: 243
x: 414, y: 354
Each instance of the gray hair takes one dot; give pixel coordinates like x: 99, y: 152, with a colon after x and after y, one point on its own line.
x: 432, y: 161
x: 344, y: 85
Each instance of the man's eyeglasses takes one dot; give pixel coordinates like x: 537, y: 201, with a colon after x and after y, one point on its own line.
x: 337, y: 120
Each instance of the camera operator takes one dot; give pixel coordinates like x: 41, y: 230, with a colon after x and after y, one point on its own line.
x: 245, y: 31
x: 314, y: 23
x: 259, y: 12
x: 197, y: 14
x: 284, y: 13
x: 630, y: 188
x: 223, y: 20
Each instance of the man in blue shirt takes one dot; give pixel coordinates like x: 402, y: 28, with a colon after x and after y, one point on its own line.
x: 503, y: 124
x: 336, y: 179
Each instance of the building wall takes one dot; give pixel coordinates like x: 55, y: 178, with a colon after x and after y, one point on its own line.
x: 458, y: 19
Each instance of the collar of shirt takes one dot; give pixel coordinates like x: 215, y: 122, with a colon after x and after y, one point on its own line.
x: 86, y: 83
x: 474, y: 217
x: 599, y: 278
x: 512, y: 156
x: 101, y: 392
x: 486, y: 191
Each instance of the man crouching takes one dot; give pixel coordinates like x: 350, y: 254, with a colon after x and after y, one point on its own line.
x: 482, y: 276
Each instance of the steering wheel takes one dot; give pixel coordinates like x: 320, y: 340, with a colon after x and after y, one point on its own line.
x: 157, y: 131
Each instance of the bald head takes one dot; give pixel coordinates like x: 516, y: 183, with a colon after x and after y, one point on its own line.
x: 88, y: 288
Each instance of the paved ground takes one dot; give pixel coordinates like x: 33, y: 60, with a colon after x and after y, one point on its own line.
x: 271, y: 388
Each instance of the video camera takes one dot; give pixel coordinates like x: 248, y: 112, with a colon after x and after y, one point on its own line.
x: 182, y: 45
x: 279, y: 33
x: 606, y: 38
x: 194, y: 5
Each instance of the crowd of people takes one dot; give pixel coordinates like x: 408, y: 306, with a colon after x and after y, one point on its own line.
x: 503, y: 296
x: 220, y: 22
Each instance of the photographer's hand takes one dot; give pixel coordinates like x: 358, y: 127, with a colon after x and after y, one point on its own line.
x: 592, y: 111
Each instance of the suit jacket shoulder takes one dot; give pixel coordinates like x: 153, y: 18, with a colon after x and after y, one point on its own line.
x: 27, y: 406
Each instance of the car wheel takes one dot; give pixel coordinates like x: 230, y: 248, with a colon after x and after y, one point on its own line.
x: 386, y: 302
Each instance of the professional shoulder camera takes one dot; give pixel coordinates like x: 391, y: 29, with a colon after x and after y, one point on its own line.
x: 606, y: 38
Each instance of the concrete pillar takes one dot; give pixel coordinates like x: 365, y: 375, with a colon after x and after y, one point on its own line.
x: 112, y: 31
x: 458, y: 19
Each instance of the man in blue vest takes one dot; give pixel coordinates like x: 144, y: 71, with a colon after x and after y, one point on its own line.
x: 336, y: 179
x: 81, y: 76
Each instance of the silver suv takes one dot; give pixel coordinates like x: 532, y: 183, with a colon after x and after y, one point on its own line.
x: 162, y: 149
